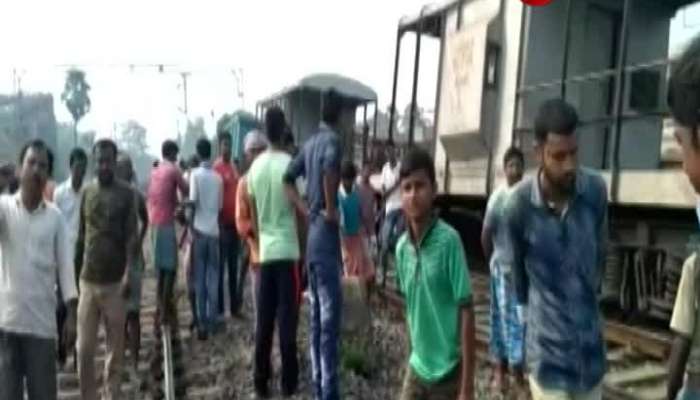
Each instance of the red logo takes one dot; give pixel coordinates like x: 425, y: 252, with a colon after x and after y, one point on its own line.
x: 537, y: 3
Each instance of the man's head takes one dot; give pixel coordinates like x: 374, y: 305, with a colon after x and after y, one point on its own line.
x: 418, y: 185
x: 332, y: 107
x: 193, y: 162
x: 254, y: 144
x: 78, y: 164
x: 513, y: 165
x: 225, y: 146
x: 288, y: 141
x: 684, y: 101
x: 34, y: 167
x: 104, y: 152
x: 275, y: 126
x: 7, y: 173
x: 556, y: 143
x: 203, y: 149
x: 169, y: 151
x: 125, y: 168
x: 366, y: 172
x: 348, y: 173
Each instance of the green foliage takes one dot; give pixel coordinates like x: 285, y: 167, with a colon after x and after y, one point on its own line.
x: 76, y: 94
x: 132, y: 141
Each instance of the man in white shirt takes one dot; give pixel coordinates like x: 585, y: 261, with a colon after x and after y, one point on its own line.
x: 69, y: 194
x: 392, y: 207
x: 36, y: 257
x: 67, y: 198
x: 206, y: 195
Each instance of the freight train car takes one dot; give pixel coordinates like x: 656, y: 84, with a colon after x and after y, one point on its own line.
x: 499, y: 59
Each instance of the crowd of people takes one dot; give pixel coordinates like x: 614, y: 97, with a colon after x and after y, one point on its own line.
x: 81, y: 242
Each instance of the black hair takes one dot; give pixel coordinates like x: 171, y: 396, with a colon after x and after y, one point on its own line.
x: 204, y: 148
x: 49, y: 156
x: 348, y: 170
x: 223, y: 135
x: 417, y: 159
x: 193, y: 162
x: 275, y: 125
x: 182, y: 165
x: 684, y: 88
x: 77, y: 155
x: 169, y: 149
x: 513, y: 152
x: 37, y: 144
x: 288, y: 138
x: 106, y: 144
x: 332, y: 106
x: 555, y: 116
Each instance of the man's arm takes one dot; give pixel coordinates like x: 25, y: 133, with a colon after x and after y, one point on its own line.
x: 80, y: 242
x: 487, y: 226
x: 468, y: 353
x: 181, y: 183
x: 683, y: 325
x: 132, y: 242
x: 680, y: 350
x: 331, y: 178
x: 143, y: 215
x: 462, y: 294
x: 295, y: 170
x: 66, y: 280
x: 513, y: 224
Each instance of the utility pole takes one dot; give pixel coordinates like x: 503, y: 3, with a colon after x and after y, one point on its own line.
x: 238, y: 76
x: 184, y: 75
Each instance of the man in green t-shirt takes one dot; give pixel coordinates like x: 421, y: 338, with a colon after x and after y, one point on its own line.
x: 274, y: 223
x: 434, y: 278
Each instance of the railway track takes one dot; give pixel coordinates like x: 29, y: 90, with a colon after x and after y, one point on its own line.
x: 636, y: 356
x: 165, y: 353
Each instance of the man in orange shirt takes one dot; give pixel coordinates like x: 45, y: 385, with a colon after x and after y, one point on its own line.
x: 255, y: 143
x: 228, y: 236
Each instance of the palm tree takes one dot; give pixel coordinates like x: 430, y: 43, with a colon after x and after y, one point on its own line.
x: 75, y: 95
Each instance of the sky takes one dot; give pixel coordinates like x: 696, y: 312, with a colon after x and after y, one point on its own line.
x: 271, y: 43
x: 274, y: 43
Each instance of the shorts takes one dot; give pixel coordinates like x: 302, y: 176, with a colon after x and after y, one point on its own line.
x: 164, y: 247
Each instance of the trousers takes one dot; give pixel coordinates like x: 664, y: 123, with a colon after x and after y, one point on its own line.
x: 326, y: 305
x: 205, y: 257
x: 228, y: 258
x: 26, y: 357
x: 100, y: 303
x: 276, y: 297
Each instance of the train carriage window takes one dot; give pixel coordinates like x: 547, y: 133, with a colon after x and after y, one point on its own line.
x: 493, y: 55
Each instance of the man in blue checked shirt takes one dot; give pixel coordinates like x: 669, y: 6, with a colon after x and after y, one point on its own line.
x: 557, y: 221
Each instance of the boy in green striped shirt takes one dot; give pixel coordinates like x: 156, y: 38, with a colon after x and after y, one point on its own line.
x: 434, y: 278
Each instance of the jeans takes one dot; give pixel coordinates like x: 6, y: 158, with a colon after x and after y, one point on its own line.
x: 326, y: 306
x: 229, y: 244
x: 540, y: 393
x: 277, y: 300
x: 392, y: 228
x: 205, y: 257
x: 31, y: 358
x: 100, y: 303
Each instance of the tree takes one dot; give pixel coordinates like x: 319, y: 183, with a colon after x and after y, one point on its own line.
x: 132, y: 141
x: 195, y: 131
x: 76, y: 96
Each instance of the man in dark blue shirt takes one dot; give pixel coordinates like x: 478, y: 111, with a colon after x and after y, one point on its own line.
x: 319, y: 162
x: 557, y: 225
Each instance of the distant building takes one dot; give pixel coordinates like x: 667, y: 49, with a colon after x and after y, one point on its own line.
x: 24, y: 117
